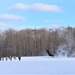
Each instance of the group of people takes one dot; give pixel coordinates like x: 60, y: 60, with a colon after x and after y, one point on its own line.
x: 6, y: 58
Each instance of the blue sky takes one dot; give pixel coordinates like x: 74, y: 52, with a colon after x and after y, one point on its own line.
x: 20, y: 14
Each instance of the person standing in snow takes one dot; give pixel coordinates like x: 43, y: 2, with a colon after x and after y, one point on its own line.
x: 48, y: 52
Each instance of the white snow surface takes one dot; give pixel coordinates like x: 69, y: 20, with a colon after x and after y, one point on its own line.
x: 40, y: 65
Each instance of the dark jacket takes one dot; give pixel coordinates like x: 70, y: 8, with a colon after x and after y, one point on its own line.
x: 48, y: 52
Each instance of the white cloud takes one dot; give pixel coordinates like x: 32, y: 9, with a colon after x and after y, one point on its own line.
x: 46, y: 21
x: 54, y: 26
x: 4, y: 24
x: 45, y: 7
x: 11, y: 17
x: 21, y: 6
x: 38, y: 7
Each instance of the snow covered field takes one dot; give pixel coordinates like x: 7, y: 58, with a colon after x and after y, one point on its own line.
x: 42, y: 65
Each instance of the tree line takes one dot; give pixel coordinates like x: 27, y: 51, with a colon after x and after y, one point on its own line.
x: 33, y: 42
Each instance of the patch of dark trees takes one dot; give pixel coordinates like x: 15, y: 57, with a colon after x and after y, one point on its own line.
x: 32, y: 42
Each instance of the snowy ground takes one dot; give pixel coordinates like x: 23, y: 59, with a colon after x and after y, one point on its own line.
x: 42, y: 65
